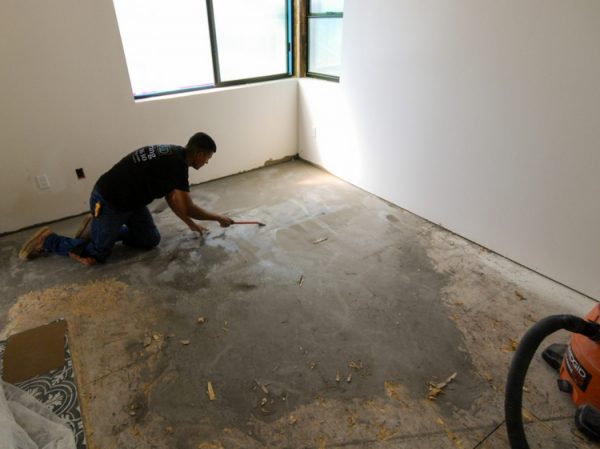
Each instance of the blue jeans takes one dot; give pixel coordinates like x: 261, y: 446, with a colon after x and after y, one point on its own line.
x: 134, y: 228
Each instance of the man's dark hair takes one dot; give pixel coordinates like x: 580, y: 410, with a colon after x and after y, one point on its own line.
x: 201, y: 143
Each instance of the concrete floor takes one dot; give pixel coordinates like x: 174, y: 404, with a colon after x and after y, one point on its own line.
x: 321, y: 330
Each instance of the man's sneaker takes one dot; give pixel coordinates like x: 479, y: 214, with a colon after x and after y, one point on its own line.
x: 34, y: 247
x: 85, y: 260
x: 85, y: 228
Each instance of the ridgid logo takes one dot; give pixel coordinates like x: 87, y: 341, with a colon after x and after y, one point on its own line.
x: 149, y: 153
x: 577, y: 372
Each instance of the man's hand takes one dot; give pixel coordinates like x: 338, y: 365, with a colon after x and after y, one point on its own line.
x: 198, y: 228
x: 181, y: 203
x: 224, y: 221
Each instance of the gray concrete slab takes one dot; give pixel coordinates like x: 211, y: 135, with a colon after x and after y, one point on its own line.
x: 321, y: 329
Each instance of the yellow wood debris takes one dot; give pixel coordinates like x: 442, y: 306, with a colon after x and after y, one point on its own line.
x: 510, y: 346
x: 322, y: 442
x: 355, y: 365
x: 520, y: 296
x: 435, y: 389
x: 211, y: 393
x: 211, y: 446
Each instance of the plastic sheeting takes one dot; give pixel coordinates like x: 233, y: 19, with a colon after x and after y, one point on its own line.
x: 26, y: 423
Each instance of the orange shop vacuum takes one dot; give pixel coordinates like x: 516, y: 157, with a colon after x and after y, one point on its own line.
x: 578, y: 364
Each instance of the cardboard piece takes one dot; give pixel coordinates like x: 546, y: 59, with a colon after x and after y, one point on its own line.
x: 34, y: 352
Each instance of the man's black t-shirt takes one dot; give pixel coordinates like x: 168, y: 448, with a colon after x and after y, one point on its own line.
x: 144, y: 175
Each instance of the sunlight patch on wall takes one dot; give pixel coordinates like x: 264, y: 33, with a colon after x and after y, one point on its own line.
x: 329, y: 137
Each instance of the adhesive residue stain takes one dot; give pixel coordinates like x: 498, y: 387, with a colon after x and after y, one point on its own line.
x: 221, y: 241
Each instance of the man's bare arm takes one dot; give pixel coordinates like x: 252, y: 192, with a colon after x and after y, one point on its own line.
x: 182, y: 205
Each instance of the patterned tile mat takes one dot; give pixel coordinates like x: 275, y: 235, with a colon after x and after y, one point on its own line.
x: 57, y: 390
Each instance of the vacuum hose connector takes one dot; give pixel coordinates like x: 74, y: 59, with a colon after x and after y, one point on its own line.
x: 513, y: 400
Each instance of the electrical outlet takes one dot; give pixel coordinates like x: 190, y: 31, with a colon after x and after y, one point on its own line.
x: 42, y: 182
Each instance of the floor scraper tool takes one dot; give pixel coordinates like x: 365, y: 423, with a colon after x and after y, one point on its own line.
x: 578, y: 364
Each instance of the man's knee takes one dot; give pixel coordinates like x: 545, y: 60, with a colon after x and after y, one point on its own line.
x: 147, y: 239
x: 153, y: 241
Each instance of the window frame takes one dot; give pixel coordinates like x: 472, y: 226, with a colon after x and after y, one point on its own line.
x: 309, y: 15
x: 215, y: 58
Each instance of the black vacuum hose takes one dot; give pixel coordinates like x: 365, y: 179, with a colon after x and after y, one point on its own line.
x: 513, y: 399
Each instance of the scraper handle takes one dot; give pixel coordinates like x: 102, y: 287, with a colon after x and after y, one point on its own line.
x: 249, y: 222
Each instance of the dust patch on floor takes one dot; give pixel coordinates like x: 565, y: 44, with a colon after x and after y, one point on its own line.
x: 493, y: 303
x: 326, y: 422
x: 392, y: 420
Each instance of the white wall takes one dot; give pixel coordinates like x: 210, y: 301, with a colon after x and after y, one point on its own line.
x: 66, y: 103
x: 482, y: 116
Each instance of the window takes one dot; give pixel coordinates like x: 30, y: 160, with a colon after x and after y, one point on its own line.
x: 182, y: 45
x: 251, y: 38
x: 325, y: 38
